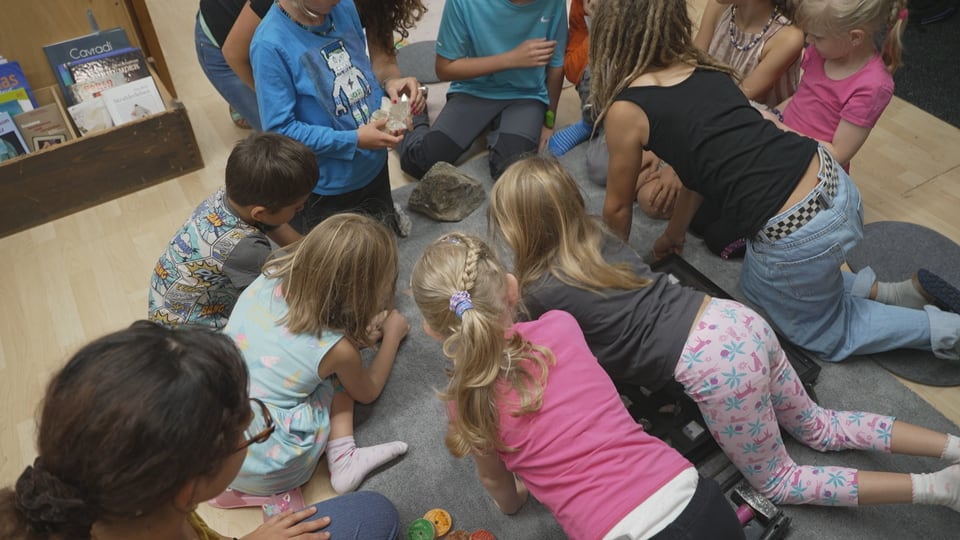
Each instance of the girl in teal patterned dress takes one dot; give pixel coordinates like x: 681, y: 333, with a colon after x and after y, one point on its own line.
x: 300, y: 326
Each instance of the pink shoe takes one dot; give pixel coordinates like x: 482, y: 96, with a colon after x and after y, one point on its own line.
x: 281, y: 502
x: 232, y: 498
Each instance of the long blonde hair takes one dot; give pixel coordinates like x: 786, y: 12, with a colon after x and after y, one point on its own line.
x: 539, y: 211
x: 338, y: 277
x: 630, y: 37
x: 484, y: 355
x: 880, y: 19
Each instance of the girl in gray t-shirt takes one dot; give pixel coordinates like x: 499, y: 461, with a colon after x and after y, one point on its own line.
x: 645, y: 331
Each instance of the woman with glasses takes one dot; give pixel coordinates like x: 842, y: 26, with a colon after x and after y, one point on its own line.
x: 142, y: 425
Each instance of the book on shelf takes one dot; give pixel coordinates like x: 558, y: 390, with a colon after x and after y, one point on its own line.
x: 133, y: 101
x: 12, y: 79
x: 43, y: 127
x: 83, y: 91
x: 62, y: 53
x: 90, y: 116
x: 16, y: 102
x: 11, y: 143
x: 93, y: 75
x: 13, y: 106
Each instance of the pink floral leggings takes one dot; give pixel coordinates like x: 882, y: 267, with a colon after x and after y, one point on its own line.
x: 734, y: 368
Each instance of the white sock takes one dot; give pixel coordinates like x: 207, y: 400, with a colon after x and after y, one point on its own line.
x: 951, y: 452
x: 941, y: 487
x: 349, y: 465
x: 901, y: 293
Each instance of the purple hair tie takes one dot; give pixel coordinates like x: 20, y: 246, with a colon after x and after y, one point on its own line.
x: 460, y: 302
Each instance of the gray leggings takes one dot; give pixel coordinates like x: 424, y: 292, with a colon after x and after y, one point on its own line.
x: 514, y: 124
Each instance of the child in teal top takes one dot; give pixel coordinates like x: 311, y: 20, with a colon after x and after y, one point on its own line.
x: 300, y: 326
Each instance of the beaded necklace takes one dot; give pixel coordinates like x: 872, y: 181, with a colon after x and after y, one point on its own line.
x: 310, y: 29
x: 732, y: 26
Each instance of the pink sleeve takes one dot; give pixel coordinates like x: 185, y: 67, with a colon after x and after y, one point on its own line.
x: 867, y: 103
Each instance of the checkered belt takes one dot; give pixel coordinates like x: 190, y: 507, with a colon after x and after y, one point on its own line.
x: 812, y: 206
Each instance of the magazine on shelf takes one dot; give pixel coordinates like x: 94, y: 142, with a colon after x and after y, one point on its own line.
x: 11, y: 143
x: 78, y: 48
x: 12, y: 79
x: 133, y: 101
x: 90, y: 116
x: 43, y: 127
x: 93, y: 75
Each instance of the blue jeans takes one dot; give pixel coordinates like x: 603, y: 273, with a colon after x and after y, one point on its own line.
x: 359, y: 515
x: 222, y: 77
x: 797, y: 281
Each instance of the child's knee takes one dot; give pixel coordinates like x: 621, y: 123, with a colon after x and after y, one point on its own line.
x: 432, y: 148
x: 508, y: 149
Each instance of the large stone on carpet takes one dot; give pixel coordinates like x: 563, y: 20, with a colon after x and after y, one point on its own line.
x: 446, y: 194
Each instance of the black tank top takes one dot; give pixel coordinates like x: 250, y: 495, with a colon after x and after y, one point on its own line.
x: 722, y: 148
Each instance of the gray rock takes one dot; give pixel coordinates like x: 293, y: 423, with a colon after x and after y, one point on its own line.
x: 446, y: 194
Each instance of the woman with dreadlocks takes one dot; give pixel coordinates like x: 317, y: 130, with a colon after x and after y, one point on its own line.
x: 783, y: 192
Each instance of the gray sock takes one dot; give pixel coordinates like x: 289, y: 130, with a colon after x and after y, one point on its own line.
x: 901, y: 293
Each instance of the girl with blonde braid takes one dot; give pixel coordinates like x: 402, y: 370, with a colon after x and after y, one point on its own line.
x: 531, y: 405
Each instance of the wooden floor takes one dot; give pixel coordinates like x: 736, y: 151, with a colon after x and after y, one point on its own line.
x: 76, y: 278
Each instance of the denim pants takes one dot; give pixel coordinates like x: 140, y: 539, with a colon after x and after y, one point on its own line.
x: 797, y: 281
x: 360, y: 515
x: 222, y: 77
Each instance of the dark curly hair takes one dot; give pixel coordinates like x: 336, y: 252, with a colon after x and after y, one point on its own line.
x: 383, y: 18
x: 129, y: 420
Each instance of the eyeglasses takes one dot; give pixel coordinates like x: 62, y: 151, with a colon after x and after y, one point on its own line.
x: 253, y: 436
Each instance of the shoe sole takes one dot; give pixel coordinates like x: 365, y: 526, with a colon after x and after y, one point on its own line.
x: 945, y: 295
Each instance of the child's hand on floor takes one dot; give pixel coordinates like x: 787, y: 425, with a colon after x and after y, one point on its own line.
x: 531, y: 53
x: 290, y: 525
x: 395, y: 326
x: 375, y: 328
x: 666, y: 245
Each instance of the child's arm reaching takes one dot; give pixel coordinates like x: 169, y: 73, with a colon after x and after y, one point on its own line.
x: 847, y: 140
x: 626, y: 129
x: 365, y: 384
x: 672, y: 239
x: 507, y: 490
x: 530, y: 53
x: 554, y: 87
x: 779, y: 53
x: 708, y: 23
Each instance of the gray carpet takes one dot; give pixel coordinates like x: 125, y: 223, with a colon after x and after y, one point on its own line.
x: 895, y: 250
x: 429, y: 477
x: 418, y: 60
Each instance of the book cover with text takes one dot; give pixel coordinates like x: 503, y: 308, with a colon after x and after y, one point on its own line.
x: 43, y: 127
x: 90, y: 116
x: 20, y: 97
x: 78, y: 48
x: 12, y: 79
x: 133, y: 101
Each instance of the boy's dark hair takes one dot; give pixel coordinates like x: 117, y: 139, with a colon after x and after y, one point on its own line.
x: 271, y: 170
x: 129, y: 420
